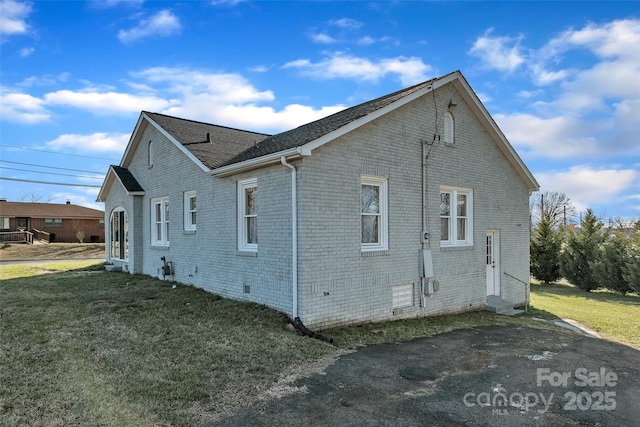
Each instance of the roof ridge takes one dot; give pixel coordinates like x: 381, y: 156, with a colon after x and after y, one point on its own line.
x: 205, y: 123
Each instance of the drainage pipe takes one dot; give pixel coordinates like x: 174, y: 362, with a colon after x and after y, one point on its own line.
x: 294, y: 236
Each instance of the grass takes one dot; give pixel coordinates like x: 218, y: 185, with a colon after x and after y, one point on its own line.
x: 613, y: 316
x: 51, y: 251
x: 82, y: 346
x: 90, y: 347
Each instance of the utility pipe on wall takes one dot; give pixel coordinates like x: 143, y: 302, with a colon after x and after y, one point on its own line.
x: 294, y: 236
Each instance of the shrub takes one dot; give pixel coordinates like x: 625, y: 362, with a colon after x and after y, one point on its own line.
x: 609, y: 267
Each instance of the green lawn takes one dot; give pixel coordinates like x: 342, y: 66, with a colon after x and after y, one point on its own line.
x: 89, y: 347
x: 613, y: 316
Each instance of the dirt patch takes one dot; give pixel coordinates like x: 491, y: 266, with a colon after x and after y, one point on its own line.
x: 493, y: 375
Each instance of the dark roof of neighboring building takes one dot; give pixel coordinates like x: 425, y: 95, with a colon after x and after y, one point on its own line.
x: 48, y: 210
x: 127, y: 179
x: 223, y: 143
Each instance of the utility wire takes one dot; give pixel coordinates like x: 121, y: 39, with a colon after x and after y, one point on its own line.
x: 50, y: 183
x: 50, y: 167
x: 53, y: 173
x: 53, y: 152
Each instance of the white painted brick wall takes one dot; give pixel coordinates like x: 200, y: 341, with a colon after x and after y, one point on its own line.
x: 337, y: 283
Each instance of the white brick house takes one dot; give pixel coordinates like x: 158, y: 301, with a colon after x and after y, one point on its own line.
x: 412, y: 204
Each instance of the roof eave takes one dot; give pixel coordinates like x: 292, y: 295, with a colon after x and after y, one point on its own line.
x: 259, y: 162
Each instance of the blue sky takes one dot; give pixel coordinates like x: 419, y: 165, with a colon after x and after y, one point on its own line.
x: 561, y: 79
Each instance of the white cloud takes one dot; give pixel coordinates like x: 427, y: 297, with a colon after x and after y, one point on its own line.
x: 164, y: 24
x: 322, y: 38
x: 228, y: 99
x: 24, y: 52
x: 13, y: 17
x: 346, y: 23
x: 22, y: 108
x: 366, y: 40
x: 106, y: 102
x: 587, y: 186
x: 99, y: 141
x: 339, y: 65
x: 498, y: 53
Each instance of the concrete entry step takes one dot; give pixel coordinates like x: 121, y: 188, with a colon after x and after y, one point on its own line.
x: 497, y: 305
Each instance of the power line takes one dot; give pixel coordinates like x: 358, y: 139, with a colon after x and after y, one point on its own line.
x: 50, y: 167
x: 51, y: 183
x: 53, y: 173
x: 53, y: 152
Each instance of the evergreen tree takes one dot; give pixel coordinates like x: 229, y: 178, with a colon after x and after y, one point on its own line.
x: 581, y: 251
x: 631, y: 270
x: 545, y: 251
x: 608, y: 269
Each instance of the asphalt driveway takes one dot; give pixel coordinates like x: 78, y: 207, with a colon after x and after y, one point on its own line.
x: 495, y: 375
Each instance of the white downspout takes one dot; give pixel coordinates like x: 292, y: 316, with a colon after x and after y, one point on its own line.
x: 294, y: 237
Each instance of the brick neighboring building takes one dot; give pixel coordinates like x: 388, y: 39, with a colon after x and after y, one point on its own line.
x: 64, y: 222
x: 409, y: 205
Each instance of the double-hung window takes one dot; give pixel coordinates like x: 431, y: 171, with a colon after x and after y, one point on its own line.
x: 456, y: 216
x: 190, y: 211
x: 160, y: 221
x: 247, y: 215
x: 373, y: 213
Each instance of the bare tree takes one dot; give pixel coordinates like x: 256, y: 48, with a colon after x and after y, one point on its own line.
x: 33, y: 198
x: 553, y: 206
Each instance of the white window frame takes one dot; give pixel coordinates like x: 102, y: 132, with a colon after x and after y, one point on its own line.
x: 150, y: 153
x: 382, y: 214
x: 189, y: 220
x: 453, y: 217
x: 163, y: 238
x: 244, y: 216
x: 5, y: 223
x: 449, y: 128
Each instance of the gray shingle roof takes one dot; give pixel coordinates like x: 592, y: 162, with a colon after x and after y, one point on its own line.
x: 314, y: 130
x: 228, y: 146
x: 127, y: 179
x: 225, y: 143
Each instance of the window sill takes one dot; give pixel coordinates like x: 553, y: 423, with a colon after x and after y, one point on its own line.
x: 252, y: 254
x: 465, y: 247
x: 374, y: 252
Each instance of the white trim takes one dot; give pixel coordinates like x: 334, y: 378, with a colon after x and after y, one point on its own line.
x: 163, y: 221
x: 123, y: 239
x: 449, y: 128
x: 243, y: 216
x: 188, y: 224
x: 453, y: 217
x: 257, y: 162
x: 383, y: 223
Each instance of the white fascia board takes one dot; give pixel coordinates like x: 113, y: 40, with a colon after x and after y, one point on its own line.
x: 177, y: 144
x: 258, y: 162
x: 106, y: 185
x: 134, y: 140
x: 505, y: 145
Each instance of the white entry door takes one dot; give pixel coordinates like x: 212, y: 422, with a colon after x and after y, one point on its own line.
x: 493, y: 262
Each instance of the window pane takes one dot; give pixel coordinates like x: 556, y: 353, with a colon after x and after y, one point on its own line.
x: 166, y: 211
x: 192, y: 204
x: 462, y: 229
x: 444, y: 229
x: 252, y: 230
x: 370, y: 229
x: 158, y: 212
x: 158, y: 231
x: 445, y: 204
x: 370, y: 196
x: 193, y: 218
x: 462, y: 205
x: 250, y: 200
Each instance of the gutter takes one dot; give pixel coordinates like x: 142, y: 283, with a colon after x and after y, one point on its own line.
x: 291, y: 153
